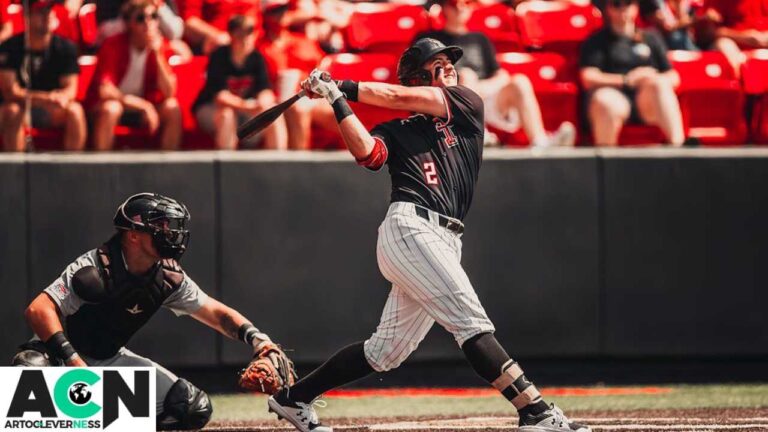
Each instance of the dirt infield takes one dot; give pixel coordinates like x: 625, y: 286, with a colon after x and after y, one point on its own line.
x: 690, y: 420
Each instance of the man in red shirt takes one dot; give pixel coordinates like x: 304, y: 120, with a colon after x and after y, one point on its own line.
x: 737, y: 25
x: 133, y: 83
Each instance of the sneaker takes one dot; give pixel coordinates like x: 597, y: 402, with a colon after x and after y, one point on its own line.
x: 564, y: 136
x: 299, y: 414
x: 551, y: 420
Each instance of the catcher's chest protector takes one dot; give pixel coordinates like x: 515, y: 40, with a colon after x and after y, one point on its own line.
x: 100, y: 329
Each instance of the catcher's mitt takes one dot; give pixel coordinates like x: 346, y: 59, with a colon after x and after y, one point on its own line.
x: 269, y: 371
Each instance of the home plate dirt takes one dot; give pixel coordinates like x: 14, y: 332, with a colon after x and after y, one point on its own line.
x: 697, y: 420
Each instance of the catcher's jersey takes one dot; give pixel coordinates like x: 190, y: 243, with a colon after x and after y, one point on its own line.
x: 100, y: 329
x: 434, y: 162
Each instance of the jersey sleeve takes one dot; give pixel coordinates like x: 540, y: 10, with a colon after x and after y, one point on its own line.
x: 658, y: 51
x: 187, y: 299
x: 465, y: 108
x: 259, y: 74
x: 60, y: 290
x: 10, y: 55
x: 489, y: 53
x: 69, y: 65
x: 592, y: 54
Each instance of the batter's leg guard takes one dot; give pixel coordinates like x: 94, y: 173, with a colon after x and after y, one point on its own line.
x: 186, y: 407
x: 513, y: 384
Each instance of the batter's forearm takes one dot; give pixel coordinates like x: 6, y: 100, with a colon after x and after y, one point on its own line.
x: 425, y: 100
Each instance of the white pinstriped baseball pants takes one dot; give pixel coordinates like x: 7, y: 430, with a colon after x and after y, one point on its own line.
x: 423, y: 262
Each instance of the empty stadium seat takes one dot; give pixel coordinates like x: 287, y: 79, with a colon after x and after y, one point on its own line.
x: 555, y: 88
x: 710, y: 96
x: 88, y: 26
x: 384, y: 27
x: 361, y: 67
x: 558, y: 26
x: 496, y: 20
x: 755, y: 77
x: 190, y: 78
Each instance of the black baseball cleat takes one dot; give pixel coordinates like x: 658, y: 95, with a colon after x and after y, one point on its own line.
x: 299, y: 414
x: 551, y: 420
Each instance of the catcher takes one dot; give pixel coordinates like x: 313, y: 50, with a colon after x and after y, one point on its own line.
x: 87, y: 315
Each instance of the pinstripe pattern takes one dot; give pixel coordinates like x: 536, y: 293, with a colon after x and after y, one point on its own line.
x: 423, y: 262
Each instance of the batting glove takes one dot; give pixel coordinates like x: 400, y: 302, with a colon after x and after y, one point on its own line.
x: 320, y: 83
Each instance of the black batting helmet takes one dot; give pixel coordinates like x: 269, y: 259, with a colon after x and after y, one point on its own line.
x: 164, y: 218
x: 409, y: 70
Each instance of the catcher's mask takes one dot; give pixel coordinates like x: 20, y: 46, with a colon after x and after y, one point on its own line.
x: 409, y: 67
x: 164, y: 218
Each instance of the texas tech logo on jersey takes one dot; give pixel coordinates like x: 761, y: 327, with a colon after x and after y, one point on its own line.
x: 446, y: 131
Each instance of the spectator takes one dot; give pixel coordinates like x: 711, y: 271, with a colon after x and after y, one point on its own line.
x: 133, y: 83
x: 236, y: 88
x: 53, y: 88
x: 6, y: 29
x: 510, y: 102
x: 206, y: 20
x: 290, y: 58
x: 171, y: 25
x: 735, y: 25
x: 320, y: 20
x: 673, y: 18
x: 628, y: 78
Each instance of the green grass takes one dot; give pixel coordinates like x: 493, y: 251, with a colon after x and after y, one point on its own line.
x: 251, y: 407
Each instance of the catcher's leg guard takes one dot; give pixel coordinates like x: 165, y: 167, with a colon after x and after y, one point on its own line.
x: 34, y: 354
x: 186, y: 407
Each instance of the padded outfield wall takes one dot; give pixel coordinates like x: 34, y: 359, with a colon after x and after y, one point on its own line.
x: 576, y: 254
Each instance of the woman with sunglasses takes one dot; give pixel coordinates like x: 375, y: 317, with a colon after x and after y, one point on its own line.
x: 133, y: 84
x: 628, y: 78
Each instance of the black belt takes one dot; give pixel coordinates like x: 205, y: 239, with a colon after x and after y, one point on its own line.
x: 444, y: 222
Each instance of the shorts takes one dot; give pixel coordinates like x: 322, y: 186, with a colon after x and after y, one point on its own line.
x: 630, y: 94
x: 41, y: 118
x: 205, y: 115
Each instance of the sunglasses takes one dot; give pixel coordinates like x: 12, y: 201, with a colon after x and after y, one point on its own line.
x: 140, y: 18
x: 620, y: 3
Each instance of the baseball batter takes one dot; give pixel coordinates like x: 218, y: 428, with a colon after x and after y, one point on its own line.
x: 434, y: 158
x: 88, y: 314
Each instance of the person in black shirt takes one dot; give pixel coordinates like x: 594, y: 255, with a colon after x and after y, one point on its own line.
x: 509, y: 99
x: 52, y: 88
x: 237, y: 88
x: 434, y: 159
x: 628, y: 78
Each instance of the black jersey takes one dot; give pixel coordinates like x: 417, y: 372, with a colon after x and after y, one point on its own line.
x: 434, y: 162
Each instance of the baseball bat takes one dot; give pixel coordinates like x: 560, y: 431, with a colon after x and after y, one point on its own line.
x: 262, y: 120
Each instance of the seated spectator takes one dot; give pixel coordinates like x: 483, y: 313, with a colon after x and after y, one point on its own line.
x: 735, y: 25
x: 510, y: 102
x: 673, y: 19
x: 628, y: 78
x: 320, y: 20
x: 171, y: 25
x: 53, y: 88
x: 133, y: 83
x: 290, y: 58
x: 205, y: 21
x: 237, y: 88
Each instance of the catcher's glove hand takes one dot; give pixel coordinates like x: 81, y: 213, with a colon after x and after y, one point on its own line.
x: 269, y: 371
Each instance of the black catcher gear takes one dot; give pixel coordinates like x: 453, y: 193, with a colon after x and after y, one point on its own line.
x: 164, y: 218
x: 409, y: 67
x: 186, y: 407
x: 35, y: 354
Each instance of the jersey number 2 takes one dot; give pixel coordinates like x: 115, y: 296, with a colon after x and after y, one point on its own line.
x: 430, y: 173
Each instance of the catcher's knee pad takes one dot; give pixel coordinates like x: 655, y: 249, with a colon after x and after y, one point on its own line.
x: 30, y: 358
x: 388, y: 354
x: 186, y: 407
x: 513, y: 384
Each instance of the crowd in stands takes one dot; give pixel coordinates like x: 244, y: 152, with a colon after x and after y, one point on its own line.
x: 180, y: 74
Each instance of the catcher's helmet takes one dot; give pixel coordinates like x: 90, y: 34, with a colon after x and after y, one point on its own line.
x: 409, y: 70
x: 163, y: 217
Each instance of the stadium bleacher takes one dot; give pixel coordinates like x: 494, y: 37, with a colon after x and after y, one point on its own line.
x: 539, y: 39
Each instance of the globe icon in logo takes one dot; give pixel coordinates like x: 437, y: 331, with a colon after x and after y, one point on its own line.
x: 79, y: 393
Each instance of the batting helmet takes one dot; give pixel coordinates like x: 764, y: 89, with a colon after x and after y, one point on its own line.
x: 164, y: 218
x: 409, y: 70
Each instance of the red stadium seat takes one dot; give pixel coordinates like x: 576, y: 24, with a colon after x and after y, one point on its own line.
x: 15, y: 14
x: 384, y: 27
x: 190, y: 80
x: 87, y: 68
x: 66, y: 27
x: 555, y: 88
x: 755, y: 76
x: 88, y: 26
x: 362, y: 67
x: 495, y: 20
x: 558, y: 26
x: 710, y: 97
